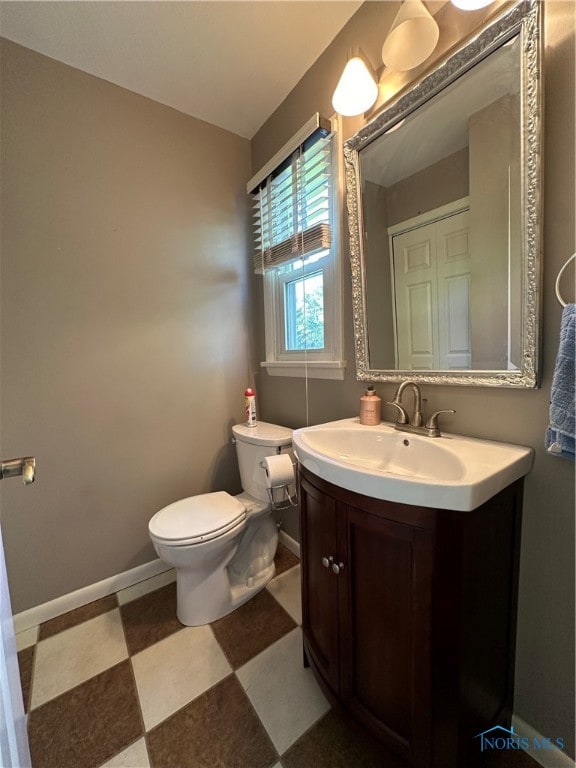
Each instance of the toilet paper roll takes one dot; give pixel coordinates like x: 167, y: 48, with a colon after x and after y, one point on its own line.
x: 279, y: 470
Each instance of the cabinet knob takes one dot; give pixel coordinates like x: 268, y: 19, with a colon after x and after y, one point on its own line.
x: 326, y: 561
x: 337, y: 567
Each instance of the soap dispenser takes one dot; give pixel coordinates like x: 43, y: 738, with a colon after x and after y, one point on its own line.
x: 370, y: 408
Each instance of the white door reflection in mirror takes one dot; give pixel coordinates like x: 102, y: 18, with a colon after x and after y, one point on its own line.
x: 431, y: 264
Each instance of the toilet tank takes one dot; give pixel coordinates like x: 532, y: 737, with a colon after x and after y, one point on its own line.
x: 252, y: 445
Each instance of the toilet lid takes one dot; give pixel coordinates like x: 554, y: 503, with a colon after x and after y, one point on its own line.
x: 197, y: 518
x: 263, y: 434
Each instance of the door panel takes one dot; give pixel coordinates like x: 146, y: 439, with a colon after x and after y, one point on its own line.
x: 432, y: 288
x: 319, y: 583
x: 389, y: 602
x: 453, y: 251
x: 415, y: 282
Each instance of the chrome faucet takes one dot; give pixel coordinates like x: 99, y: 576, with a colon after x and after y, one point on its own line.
x: 416, y: 420
x: 415, y: 424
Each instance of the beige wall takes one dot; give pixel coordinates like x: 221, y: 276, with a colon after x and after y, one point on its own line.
x: 495, y: 250
x: 545, y: 650
x: 124, y: 318
x: 441, y: 183
x: 378, y: 281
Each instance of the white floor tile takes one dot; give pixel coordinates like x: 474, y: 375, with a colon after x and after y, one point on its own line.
x: 286, y: 589
x: 284, y: 694
x: 26, y: 638
x: 176, y: 670
x: 146, y: 586
x: 73, y: 656
x: 135, y: 756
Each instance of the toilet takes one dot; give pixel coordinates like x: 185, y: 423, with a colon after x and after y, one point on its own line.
x: 223, y: 546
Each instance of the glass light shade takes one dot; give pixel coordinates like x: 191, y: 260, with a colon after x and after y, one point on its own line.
x: 471, y: 5
x: 412, y: 37
x: 356, y: 90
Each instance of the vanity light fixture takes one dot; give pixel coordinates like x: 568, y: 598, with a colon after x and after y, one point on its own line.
x: 357, y: 89
x: 412, y: 37
x: 471, y: 5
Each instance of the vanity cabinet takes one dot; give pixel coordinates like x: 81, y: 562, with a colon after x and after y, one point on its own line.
x: 409, y: 616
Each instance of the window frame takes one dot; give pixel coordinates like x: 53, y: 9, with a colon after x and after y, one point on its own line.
x: 312, y: 363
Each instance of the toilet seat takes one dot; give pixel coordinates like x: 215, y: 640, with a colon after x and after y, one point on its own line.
x: 197, y: 519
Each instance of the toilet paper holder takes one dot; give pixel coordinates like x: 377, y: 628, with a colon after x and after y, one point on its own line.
x: 288, y: 501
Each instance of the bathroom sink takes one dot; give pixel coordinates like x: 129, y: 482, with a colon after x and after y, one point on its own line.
x: 448, y: 472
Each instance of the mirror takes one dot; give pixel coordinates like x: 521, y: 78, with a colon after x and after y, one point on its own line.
x: 443, y: 193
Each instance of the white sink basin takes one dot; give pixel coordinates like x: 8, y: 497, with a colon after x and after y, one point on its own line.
x: 448, y: 472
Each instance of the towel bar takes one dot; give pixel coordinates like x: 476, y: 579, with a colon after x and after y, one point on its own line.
x: 558, y: 294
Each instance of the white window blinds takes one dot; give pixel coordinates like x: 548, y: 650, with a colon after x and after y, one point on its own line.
x: 292, y: 205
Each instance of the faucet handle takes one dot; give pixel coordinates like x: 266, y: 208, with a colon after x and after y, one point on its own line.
x: 432, y: 423
x: 402, y: 415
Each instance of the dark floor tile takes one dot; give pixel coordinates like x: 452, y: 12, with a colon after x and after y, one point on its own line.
x: 150, y: 618
x: 338, y: 742
x: 219, y: 729
x: 251, y: 628
x: 70, y: 619
x: 284, y: 559
x: 26, y: 665
x: 88, y: 724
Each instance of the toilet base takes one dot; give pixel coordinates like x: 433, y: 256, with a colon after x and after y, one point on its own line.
x: 192, y: 607
x: 216, y: 576
x: 241, y: 593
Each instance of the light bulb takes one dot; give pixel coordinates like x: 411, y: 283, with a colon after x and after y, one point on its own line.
x: 412, y: 37
x: 356, y: 90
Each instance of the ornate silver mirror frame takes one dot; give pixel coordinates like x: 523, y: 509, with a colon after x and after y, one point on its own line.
x: 524, y: 20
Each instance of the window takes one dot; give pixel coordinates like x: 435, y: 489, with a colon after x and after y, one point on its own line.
x: 297, y: 253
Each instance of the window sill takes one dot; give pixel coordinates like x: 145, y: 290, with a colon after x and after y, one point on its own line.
x: 313, y: 369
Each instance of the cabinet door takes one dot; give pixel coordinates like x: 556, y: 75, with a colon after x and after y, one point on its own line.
x: 386, y: 680
x: 319, y: 584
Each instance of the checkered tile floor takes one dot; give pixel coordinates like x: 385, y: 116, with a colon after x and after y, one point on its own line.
x: 120, y: 683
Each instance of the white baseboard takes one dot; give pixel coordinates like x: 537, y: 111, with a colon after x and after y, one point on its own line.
x: 35, y: 616
x: 289, y: 543
x: 547, y: 758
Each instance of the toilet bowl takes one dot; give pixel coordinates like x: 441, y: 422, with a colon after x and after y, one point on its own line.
x: 223, y: 546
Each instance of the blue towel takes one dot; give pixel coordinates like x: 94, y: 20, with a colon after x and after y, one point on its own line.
x: 561, y: 432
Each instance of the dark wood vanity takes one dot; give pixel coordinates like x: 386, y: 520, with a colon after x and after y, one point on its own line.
x: 409, y: 616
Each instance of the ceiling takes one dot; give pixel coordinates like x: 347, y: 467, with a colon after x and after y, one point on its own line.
x: 229, y: 62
